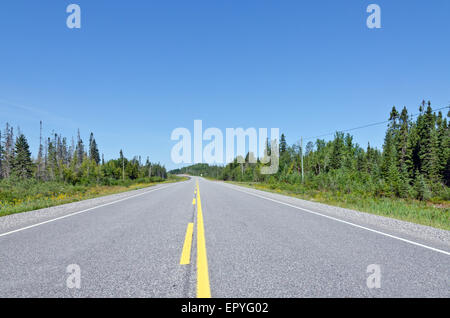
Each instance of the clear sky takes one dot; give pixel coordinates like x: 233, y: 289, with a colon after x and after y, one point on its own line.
x: 138, y: 69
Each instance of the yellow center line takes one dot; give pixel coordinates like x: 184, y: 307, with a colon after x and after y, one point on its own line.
x: 186, y: 254
x: 203, y: 289
x: 193, y: 201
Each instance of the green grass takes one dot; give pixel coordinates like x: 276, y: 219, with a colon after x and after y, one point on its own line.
x: 21, y: 196
x: 435, y: 214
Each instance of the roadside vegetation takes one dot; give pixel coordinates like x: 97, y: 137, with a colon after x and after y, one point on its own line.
x: 408, y: 178
x: 26, y: 195
x: 61, y: 173
x: 435, y: 214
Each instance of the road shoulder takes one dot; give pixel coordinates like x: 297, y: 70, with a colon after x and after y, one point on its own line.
x: 16, y: 221
x: 408, y: 230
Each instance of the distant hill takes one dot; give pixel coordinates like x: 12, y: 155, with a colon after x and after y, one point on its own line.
x: 198, y: 169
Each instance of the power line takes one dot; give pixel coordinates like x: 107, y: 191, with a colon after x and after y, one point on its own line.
x: 368, y: 125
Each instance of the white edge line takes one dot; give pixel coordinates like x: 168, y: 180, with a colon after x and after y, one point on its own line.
x: 342, y: 221
x: 82, y: 211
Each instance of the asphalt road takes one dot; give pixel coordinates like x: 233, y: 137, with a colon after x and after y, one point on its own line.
x: 242, y: 243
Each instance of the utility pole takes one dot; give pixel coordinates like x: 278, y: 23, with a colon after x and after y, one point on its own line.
x: 301, y: 147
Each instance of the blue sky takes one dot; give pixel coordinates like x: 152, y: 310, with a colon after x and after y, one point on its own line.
x: 138, y: 69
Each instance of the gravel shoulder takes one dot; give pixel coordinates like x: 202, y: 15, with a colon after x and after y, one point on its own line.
x: 416, y: 232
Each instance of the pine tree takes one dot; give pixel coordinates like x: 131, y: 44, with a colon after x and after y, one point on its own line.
x: 412, y: 159
x: 428, y: 152
x: 389, y: 164
x: 368, y: 159
x: 402, y: 146
x: 443, y: 136
x: 446, y: 158
x: 40, y: 171
x: 337, y: 153
x: 58, y: 156
x: 52, y: 164
x: 8, y: 151
x: 421, y: 187
x: 65, y: 151
x: 402, y: 138
x: 361, y: 163
x: 148, y: 165
x: 22, y: 164
x: 46, y: 160
x: 122, y: 162
x: 283, y: 144
x: 393, y: 118
x: 391, y: 167
x: 71, y: 151
x: 321, y: 162
x: 93, y: 150
x: 445, y: 146
x: 79, y: 149
x: 1, y: 156
x: 349, y: 161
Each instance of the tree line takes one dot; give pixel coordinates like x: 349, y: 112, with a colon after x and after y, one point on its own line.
x: 414, y: 161
x: 74, y: 163
x: 202, y: 169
